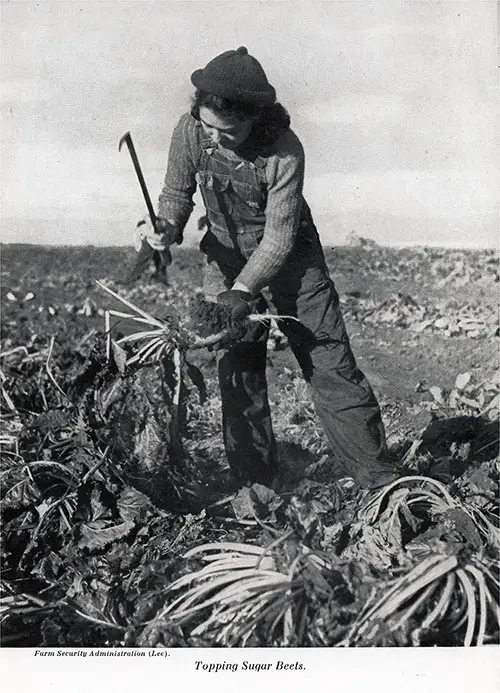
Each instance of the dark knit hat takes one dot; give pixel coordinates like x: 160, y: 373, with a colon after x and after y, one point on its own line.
x: 237, y: 76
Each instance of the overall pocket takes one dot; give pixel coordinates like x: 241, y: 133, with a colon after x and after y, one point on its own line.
x: 248, y: 240
x: 212, y: 187
x: 249, y: 198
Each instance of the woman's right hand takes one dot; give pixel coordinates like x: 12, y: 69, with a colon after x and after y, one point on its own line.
x: 161, y: 239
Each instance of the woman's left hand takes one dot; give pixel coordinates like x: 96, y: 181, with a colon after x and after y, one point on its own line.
x: 238, y: 302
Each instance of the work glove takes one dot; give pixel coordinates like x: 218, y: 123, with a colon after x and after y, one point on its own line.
x: 238, y: 302
x: 151, y: 246
x: 159, y: 240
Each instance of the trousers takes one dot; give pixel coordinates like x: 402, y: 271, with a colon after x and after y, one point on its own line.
x: 342, y: 395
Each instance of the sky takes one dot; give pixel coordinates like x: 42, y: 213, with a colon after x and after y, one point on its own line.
x: 394, y: 102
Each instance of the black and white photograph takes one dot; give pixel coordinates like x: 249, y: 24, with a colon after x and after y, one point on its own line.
x: 250, y: 374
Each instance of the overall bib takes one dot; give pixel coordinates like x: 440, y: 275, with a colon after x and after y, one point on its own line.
x: 234, y: 193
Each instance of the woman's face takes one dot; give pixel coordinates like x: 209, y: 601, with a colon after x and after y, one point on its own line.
x: 228, y: 132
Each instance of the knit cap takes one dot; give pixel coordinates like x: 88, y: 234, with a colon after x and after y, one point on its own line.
x: 237, y: 76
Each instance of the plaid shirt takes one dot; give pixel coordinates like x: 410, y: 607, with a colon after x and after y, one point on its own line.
x: 284, y: 176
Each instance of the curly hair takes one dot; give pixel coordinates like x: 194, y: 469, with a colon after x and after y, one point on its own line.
x: 270, y: 121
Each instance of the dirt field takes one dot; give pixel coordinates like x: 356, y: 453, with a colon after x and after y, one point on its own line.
x: 103, y: 463
x: 396, y: 359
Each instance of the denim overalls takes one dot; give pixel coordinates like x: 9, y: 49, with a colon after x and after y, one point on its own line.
x: 234, y: 193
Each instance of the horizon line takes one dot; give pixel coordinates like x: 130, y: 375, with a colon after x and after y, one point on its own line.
x: 370, y: 243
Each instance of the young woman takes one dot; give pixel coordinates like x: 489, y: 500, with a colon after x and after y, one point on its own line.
x: 237, y: 146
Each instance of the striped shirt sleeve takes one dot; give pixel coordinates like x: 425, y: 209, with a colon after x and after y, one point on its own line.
x: 285, y: 177
x: 176, y: 197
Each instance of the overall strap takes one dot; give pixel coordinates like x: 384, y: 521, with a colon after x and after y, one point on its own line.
x: 260, y: 162
x: 206, y: 149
